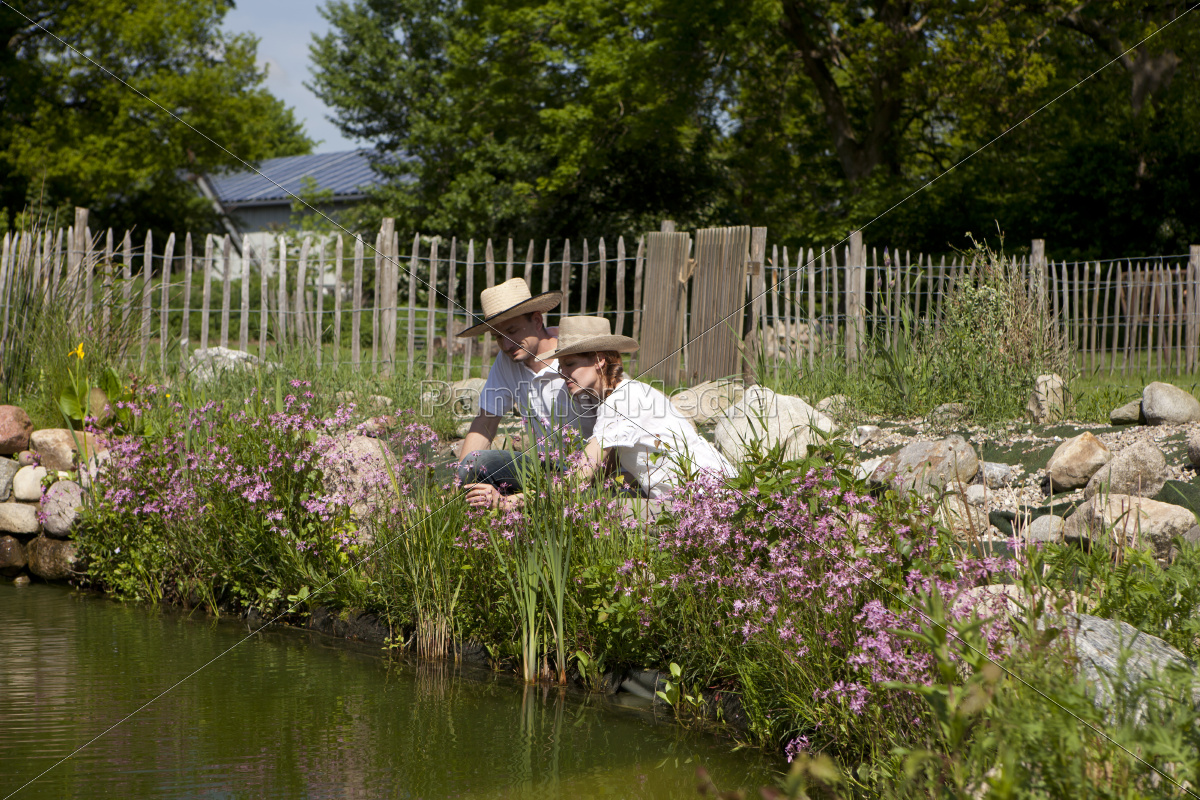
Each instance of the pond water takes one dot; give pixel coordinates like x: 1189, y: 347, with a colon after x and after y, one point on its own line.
x: 296, y: 715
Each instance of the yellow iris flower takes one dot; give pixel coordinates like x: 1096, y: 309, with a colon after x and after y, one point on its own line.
x: 77, y: 352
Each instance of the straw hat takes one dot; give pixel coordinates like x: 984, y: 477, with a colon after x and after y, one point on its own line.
x: 509, y: 299
x: 588, y: 335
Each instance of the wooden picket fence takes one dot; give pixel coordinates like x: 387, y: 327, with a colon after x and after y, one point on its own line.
x: 703, y: 306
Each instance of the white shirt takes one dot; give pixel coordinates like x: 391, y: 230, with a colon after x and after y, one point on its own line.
x: 540, y: 397
x: 654, y: 441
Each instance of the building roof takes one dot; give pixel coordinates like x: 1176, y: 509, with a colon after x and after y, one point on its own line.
x: 347, y: 174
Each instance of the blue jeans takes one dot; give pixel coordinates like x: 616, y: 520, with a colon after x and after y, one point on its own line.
x: 501, y: 468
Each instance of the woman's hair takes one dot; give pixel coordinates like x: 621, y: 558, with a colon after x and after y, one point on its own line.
x: 612, y: 373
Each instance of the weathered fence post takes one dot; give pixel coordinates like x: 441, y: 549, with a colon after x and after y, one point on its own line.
x: 855, y: 276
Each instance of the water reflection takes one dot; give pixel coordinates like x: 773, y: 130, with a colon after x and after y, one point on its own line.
x: 285, y: 716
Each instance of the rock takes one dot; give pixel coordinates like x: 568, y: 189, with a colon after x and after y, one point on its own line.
x: 704, y: 402
x: 463, y: 428
x: 12, y: 556
x: 1139, y: 469
x: 975, y: 494
x: 18, y: 518
x: 27, y: 484
x: 1191, y: 538
x: 1075, y: 461
x: 26, y: 458
x: 355, y: 473
x: 1099, y: 643
x: 863, y: 471
x: 996, y: 475
x: 1164, y: 404
x: 1128, y: 414
x: 53, y: 559
x: 60, y: 508
x: 865, y: 434
x: 948, y: 414
x: 57, y: 447
x: 963, y: 519
x: 1046, y: 528
x: 925, y: 466
x: 8, y: 469
x: 836, y: 405
x: 21, y: 580
x: 207, y: 365
x: 15, y: 427
x: 464, y: 396
x: 1048, y: 400
x: 1140, y: 521
x: 1193, y: 447
x: 769, y: 418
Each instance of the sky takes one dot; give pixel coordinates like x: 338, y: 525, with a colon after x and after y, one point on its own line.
x: 284, y: 29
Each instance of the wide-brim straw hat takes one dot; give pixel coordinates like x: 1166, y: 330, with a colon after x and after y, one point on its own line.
x: 510, y: 299
x: 588, y: 335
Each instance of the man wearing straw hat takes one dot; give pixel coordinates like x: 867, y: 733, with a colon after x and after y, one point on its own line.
x: 520, y: 380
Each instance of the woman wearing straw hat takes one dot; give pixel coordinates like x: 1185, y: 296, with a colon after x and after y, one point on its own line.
x: 524, y: 377
x: 651, y: 440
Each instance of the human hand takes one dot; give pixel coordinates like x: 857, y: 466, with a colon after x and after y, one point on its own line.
x: 482, y: 495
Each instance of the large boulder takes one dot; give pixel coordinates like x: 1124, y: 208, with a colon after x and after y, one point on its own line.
x: 704, y: 402
x: 58, y: 447
x: 356, y: 474
x: 931, y: 465
x: 1139, y: 469
x: 27, y: 484
x: 1112, y: 652
x: 53, y: 559
x: 1048, y: 400
x: 769, y: 418
x: 1138, y: 521
x: 1164, y: 404
x: 12, y: 556
x: 1046, y: 528
x: 60, y: 508
x: 8, y: 470
x: 207, y: 365
x: 1193, y: 447
x: 464, y: 396
x: 20, y: 518
x: 1075, y: 461
x: 1128, y: 414
x: 15, y: 427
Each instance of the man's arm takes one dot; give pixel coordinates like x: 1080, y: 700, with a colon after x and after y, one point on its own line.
x: 479, y: 437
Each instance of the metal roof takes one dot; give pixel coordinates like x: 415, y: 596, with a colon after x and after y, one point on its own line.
x: 347, y: 174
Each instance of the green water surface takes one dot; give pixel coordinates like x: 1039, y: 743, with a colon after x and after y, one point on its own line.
x: 291, y: 715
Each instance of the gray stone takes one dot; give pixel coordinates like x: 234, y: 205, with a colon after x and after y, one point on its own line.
x: 768, y: 418
x: 948, y: 414
x: 26, y: 458
x: 996, y: 475
x: 1164, y: 404
x: 930, y: 465
x: 865, y: 434
x: 1139, y: 469
x: 964, y: 520
x: 1075, y: 461
x: 704, y: 402
x: 976, y: 494
x: 58, y: 447
x: 1046, y: 528
x: 207, y: 365
x: 1048, y: 400
x: 355, y: 474
x: 1193, y: 447
x: 464, y: 396
x: 8, y: 469
x: 1128, y: 414
x: 1112, y: 652
x: 12, y: 556
x: 1138, y: 522
x: 15, y: 427
x: 53, y: 559
x: 60, y: 508
x: 27, y: 484
x: 18, y: 518
x: 863, y: 471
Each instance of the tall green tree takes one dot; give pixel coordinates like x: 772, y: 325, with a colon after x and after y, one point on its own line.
x: 72, y: 134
